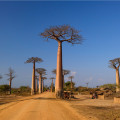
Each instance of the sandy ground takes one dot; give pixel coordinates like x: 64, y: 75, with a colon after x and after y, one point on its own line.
x: 46, y: 107
x: 43, y: 107
x: 95, y: 109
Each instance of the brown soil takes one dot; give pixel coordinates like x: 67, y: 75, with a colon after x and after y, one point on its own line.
x: 46, y: 107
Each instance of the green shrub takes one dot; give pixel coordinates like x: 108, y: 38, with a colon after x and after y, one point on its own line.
x: 4, y: 88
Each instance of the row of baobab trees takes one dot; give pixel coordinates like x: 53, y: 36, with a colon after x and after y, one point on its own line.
x: 61, y: 33
x: 42, y: 73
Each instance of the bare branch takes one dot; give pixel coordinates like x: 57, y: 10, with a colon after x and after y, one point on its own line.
x: 63, y: 33
x: 115, y: 63
x: 34, y: 59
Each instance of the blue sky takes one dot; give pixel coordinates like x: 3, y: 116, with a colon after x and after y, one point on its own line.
x: 22, y: 22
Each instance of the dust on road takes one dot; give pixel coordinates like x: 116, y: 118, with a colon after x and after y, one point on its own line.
x: 39, y: 107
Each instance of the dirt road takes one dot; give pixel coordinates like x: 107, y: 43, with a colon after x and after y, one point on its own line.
x: 39, y: 107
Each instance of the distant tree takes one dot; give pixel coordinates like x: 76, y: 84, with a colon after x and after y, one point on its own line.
x: 43, y: 78
x: 33, y: 60
x: 115, y: 64
x: 11, y: 76
x: 52, y: 78
x: 71, y: 78
x: 62, y: 33
x: 41, y: 72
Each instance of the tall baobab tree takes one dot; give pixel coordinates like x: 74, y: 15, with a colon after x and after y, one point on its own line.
x: 33, y: 60
x: 62, y: 33
x: 64, y: 72
x: 52, y: 78
x: 40, y: 71
x: 11, y: 76
x: 43, y: 78
x: 115, y: 64
x: 71, y: 77
x: 36, y: 81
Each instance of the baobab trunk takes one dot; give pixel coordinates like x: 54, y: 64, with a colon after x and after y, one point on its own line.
x: 40, y: 87
x: 36, y: 85
x: 10, y: 86
x: 117, y: 80
x: 52, y: 86
x: 59, y: 79
x: 33, y: 80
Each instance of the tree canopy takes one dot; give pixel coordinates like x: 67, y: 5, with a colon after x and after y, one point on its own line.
x: 34, y: 59
x: 63, y: 33
x: 41, y: 71
x: 115, y: 63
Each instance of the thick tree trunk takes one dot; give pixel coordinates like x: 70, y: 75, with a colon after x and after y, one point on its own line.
x: 10, y: 86
x: 40, y: 86
x: 59, y: 78
x: 117, y: 80
x: 33, y: 80
x: 52, y: 86
x: 36, y: 85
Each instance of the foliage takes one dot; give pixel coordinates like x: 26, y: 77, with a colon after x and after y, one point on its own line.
x: 68, y: 85
x: 25, y: 89
x: 4, y: 88
x: 109, y: 86
x: 34, y: 59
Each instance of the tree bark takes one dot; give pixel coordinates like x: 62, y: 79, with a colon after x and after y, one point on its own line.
x: 40, y: 86
x: 33, y: 80
x: 117, y: 80
x: 36, y: 85
x: 59, y: 78
x: 52, y: 86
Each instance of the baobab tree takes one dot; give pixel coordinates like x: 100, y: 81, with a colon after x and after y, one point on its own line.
x: 11, y: 76
x: 64, y: 72
x: 71, y: 77
x: 36, y: 81
x: 33, y: 60
x: 115, y: 64
x: 52, y: 78
x: 43, y: 78
x: 62, y: 33
x: 40, y: 71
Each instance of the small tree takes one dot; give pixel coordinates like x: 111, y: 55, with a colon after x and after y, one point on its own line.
x: 11, y: 76
x: 52, y: 78
x: 115, y: 64
x: 62, y: 33
x: 33, y: 60
x: 43, y: 78
x: 40, y: 71
x: 68, y: 85
x: 71, y: 78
